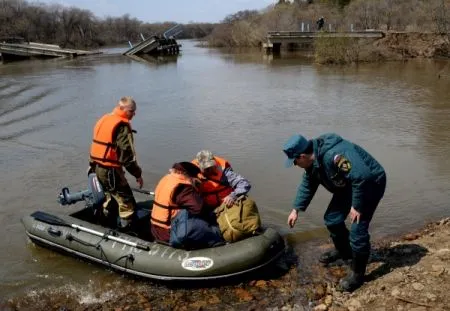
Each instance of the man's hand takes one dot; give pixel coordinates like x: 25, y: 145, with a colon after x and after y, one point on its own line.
x: 140, y: 182
x: 292, y: 219
x: 354, y: 215
x: 229, y: 200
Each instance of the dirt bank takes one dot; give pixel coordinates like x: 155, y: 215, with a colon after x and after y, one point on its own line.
x: 394, y: 46
x: 405, y: 45
x: 411, y: 274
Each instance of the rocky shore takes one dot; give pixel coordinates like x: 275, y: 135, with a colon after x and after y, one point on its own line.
x: 411, y: 273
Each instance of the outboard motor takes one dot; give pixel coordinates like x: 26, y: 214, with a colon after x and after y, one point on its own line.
x: 93, y: 196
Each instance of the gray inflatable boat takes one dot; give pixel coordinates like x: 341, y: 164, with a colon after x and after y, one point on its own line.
x: 131, y: 252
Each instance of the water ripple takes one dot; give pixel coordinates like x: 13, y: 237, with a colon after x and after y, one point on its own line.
x: 17, y: 92
x: 25, y: 131
x: 34, y: 99
x: 34, y: 114
x: 6, y: 86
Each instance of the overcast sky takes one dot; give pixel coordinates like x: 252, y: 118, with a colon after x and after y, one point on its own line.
x: 182, y: 11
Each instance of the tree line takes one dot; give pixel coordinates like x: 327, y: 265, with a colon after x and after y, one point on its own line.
x: 249, y: 28
x: 74, y: 27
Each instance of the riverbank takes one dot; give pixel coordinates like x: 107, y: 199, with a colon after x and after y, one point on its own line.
x: 404, y: 45
x: 411, y: 273
x: 394, y: 46
x: 407, y: 273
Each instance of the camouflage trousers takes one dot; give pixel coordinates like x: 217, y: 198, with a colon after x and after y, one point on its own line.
x: 116, y: 187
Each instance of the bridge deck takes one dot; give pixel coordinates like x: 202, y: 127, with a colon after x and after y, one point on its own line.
x: 300, y: 34
x: 275, y: 39
x: 34, y: 49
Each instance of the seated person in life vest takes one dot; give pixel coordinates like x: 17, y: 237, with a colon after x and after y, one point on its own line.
x: 178, y: 216
x: 220, y: 184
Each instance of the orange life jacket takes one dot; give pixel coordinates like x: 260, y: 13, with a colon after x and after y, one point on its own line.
x: 212, y: 190
x: 164, y: 209
x: 103, y: 148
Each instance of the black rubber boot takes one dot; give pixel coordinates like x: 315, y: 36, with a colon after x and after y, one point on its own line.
x: 355, y: 278
x: 342, y: 251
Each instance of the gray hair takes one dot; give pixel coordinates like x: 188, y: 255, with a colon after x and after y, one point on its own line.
x: 127, y: 103
x: 205, y: 159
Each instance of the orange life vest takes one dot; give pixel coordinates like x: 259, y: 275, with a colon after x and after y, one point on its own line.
x: 164, y: 209
x: 103, y: 148
x: 211, y: 188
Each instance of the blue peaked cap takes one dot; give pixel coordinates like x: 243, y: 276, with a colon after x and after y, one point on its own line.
x: 295, y: 146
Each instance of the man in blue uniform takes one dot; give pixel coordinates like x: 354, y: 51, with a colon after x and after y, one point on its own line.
x: 357, y: 182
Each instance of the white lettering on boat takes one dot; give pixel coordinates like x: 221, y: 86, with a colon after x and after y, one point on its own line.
x: 155, y: 250
x: 165, y: 251
x: 40, y: 227
x: 172, y: 254
x: 197, y: 263
x: 137, y: 250
x: 186, y: 256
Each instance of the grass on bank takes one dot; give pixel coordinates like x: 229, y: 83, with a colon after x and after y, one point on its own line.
x: 340, y: 50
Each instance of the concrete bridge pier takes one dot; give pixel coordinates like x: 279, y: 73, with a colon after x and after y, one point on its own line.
x: 272, y: 48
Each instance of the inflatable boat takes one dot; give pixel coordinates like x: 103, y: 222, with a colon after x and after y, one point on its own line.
x: 82, y: 235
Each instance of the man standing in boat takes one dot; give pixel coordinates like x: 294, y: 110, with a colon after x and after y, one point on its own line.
x: 220, y: 184
x: 357, y: 182
x: 112, y: 149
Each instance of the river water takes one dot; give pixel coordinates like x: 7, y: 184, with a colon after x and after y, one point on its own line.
x: 242, y: 106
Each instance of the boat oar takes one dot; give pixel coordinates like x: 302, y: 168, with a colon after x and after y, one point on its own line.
x: 143, y: 191
x: 54, y: 220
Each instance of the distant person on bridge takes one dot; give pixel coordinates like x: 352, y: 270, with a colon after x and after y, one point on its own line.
x: 320, y: 23
x: 357, y: 182
x: 112, y: 149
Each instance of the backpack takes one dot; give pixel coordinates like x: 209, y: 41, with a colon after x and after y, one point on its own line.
x: 238, y: 221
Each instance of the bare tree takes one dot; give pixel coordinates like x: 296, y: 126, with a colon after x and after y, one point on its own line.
x: 441, y: 16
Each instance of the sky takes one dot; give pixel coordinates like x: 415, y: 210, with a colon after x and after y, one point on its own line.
x: 152, y: 11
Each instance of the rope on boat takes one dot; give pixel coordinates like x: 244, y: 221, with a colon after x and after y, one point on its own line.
x: 103, y: 257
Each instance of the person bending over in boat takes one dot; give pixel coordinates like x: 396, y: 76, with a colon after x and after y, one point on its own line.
x: 219, y: 183
x: 178, y: 214
x: 112, y: 149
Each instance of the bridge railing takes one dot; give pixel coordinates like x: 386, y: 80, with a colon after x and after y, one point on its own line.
x: 172, y: 32
x: 311, y: 26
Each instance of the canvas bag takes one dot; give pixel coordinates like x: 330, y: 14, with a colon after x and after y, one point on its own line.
x: 238, y: 221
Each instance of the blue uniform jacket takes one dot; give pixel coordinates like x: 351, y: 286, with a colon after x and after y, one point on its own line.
x: 340, y: 166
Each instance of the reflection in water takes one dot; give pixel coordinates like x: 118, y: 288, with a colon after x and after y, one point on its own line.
x: 155, y: 60
x: 254, y: 55
x: 241, y: 106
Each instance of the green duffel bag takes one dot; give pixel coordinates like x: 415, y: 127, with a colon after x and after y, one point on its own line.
x: 240, y: 220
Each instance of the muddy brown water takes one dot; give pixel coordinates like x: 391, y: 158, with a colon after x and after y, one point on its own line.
x: 242, y: 106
